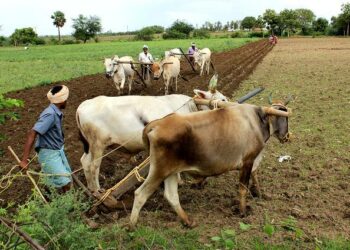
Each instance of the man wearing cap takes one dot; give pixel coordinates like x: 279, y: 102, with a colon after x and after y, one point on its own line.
x: 191, y: 51
x: 49, y: 142
x: 145, y: 57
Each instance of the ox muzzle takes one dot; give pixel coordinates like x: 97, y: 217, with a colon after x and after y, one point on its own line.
x: 109, y: 74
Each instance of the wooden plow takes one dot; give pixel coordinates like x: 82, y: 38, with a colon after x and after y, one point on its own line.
x: 134, y: 69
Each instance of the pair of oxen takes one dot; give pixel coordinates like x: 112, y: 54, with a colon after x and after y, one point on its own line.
x: 180, y: 139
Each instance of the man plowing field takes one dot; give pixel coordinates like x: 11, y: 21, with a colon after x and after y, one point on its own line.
x: 50, y: 141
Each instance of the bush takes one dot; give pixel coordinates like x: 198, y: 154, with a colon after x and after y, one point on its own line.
x: 173, y: 34
x: 5, y: 105
x: 39, y: 41
x: 60, y: 225
x: 69, y: 41
x: 239, y: 34
x: 145, y: 34
x: 53, y: 41
x: 258, y: 34
x: 4, y: 41
x: 317, y: 34
x: 201, y: 33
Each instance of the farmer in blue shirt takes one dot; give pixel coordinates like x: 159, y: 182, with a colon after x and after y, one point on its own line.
x: 49, y: 142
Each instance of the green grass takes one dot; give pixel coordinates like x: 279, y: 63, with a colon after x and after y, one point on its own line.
x: 21, y: 68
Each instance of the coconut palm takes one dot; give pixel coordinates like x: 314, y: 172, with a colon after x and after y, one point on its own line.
x: 58, y: 20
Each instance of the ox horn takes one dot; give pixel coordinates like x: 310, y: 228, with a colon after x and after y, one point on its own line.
x: 272, y: 111
x: 288, y: 99
x: 213, y: 83
x: 270, y: 98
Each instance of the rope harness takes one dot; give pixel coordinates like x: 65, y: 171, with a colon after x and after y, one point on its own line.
x: 135, y: 172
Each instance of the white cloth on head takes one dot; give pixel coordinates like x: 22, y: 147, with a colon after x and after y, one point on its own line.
x: 60, y: 96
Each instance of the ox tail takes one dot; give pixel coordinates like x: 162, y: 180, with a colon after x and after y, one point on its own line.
x: 81, y: 135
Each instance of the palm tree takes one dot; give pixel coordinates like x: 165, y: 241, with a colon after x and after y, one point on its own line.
x: 58, y: 20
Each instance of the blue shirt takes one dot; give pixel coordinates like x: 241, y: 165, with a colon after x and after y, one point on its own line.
x: 49, y: 128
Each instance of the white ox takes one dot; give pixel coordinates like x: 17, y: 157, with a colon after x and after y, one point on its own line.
x: 173, y: 52
x: 120, y: 72
x: 202, y: 58
x: 170, y: 68
x: 104, y: 121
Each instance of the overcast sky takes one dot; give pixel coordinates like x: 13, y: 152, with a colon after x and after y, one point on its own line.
x: 123, y: 15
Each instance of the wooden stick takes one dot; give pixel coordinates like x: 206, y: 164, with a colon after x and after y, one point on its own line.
x: 24, y: 236
x: 188, y: 60
x: 221, y: 104
x: 28, y: 174
x: 14, y: 154
x: 180, y: 54
x: 210, y: 103
x: 130, y: 62
x: 130, y: 182
x: 138, y: 73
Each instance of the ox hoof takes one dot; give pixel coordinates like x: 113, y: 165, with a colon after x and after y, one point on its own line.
x: 129, y: 227
x: 246, y: 212
x: 190, y: 223
x: 199, y: 184
x: 255, y: 192
x: 241, y: 213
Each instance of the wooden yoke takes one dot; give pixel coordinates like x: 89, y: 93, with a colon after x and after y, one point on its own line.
x: 213, y: 103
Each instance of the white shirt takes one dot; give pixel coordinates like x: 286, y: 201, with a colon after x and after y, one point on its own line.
x: 145, y: 58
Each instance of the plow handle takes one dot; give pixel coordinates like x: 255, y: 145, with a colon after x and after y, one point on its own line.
x: 250, y: 94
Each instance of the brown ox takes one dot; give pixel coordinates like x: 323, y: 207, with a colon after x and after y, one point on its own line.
x: 208, y: 143
x: 169, y: 68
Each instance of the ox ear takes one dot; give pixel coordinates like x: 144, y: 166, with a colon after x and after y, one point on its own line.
x: 202, y: 94
x: 213, y: 83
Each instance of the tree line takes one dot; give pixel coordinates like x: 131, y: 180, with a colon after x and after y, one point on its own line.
x: 285, y: 23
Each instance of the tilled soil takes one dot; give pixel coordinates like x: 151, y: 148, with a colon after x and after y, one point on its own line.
x: 232, y: 66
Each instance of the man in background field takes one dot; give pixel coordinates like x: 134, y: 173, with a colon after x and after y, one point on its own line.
x: 191, y: 51
x: 50, y: 141
x: 145, y: 57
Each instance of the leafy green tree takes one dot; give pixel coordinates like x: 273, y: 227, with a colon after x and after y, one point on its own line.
x: 182, y: 27
x: 345, y: 16
x: 341, y: 24
x: 146, y: 34
x: 218, y: 26
x: 272, y: 20
x: 260, y: 23
x: 23, y: 36
x: 157, y: 29
x: 305, y: 19
x: 208, y: 26
x: 86, y: 28
x: 248, y: 22
x: 178, y: 30
x: 320, y: 25
x: 58, y: 20
x: 288, y: 20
